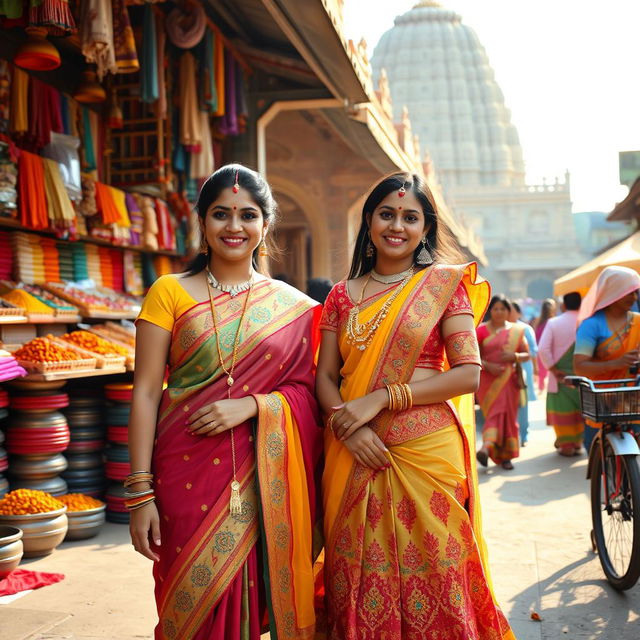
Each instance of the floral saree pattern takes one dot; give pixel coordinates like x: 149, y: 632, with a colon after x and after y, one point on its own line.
x: 209, y: 580
x: 404, y: 554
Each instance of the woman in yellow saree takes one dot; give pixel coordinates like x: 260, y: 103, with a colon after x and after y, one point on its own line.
x: 222, y: 490
x: 404, y: 553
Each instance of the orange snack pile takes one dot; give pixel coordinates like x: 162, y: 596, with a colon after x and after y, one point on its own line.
x: 42, y: 350
x: 80, y: 502
x: 24, y: 501
x: 95, y: 344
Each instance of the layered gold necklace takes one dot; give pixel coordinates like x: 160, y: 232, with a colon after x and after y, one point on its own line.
x: 235, y: 503
x: 360, y: 334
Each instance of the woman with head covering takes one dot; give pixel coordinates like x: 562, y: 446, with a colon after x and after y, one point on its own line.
x: 608, y: 330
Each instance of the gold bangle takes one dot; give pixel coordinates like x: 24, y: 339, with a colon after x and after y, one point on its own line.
x: 330, y: 421
x: 409, y: 393
x: 398, y: 401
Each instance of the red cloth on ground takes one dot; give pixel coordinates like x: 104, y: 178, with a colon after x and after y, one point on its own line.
x: 23, y: 579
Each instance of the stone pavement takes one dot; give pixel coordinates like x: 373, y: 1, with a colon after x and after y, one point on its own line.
x: 537, y: 524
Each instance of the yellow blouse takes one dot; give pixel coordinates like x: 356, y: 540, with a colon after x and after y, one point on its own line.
x: 165, y: 302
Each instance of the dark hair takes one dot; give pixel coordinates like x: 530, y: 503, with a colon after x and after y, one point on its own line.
x: 572, y: 301
x: 499, y: 298
x: 516, y: 306
x: 256, y: 185
x: 318, y: 289
x: 440, y: 241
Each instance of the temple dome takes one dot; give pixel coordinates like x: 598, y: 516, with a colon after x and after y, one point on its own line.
x: 438, y: 68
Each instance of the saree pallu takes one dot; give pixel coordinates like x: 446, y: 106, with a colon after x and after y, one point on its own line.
x: 209, y: 581
x: 564, y: 412
x: 499, y: 396
x: 404, y: 553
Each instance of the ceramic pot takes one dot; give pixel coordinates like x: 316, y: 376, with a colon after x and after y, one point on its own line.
x: 85, y: 524
x: 41, y: 532
x: 11, y: 549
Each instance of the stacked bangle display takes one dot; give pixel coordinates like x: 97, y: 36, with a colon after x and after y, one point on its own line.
x: 136, y: 499
x: 400, y: 397
x: 138, y: 476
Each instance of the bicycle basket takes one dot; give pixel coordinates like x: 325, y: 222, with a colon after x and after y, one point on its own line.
x: 619, y: 404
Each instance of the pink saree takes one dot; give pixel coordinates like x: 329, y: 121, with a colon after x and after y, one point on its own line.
x: 499, y: 395
x: 218, y: 574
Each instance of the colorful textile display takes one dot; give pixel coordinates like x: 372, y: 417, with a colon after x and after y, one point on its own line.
x: 229, y: 122
x: 9, y: 369
x: 149, y: 68
x: 190, y: 122
x: 132, y: 263
x: 45, y: 113
x: 207, y: 87
x: 106, y: 204
x: 32, y: 200
x: 80, y: 262
x: 6, y: 256
x: 88, y: 146
x: 166, y: 238
x: 124, y: 42
x: 96, y: 35
x: 19, y: 118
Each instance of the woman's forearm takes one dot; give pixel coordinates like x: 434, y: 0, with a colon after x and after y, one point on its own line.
x: 590, y: 368
x: 444, y: 386
x: 327, y: 392
x: 142, y: 429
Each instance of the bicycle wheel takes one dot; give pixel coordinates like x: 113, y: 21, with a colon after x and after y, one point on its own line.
x: 617, y: 527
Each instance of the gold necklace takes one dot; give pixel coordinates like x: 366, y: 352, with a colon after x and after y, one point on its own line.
x: 235, y: 504
x: 360, y: 334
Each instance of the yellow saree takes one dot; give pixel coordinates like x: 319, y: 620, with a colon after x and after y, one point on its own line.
x: 405, y: 558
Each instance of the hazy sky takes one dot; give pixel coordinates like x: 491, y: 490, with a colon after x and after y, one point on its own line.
x: 568, y: 71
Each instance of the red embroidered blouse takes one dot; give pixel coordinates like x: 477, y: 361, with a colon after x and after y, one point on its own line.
x: 339, y: 303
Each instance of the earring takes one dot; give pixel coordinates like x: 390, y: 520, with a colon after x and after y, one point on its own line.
x: 263, y: 251
x: 370, y: 250
x: 424, y: 257
x: 204, y: 247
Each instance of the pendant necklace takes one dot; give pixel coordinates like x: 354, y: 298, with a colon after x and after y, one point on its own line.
x: 232, y: 289
x: 359, y: 334
x: 235, y: 503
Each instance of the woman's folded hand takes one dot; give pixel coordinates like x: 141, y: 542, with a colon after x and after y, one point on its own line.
x: 221, y: 415
x: 368, y: 449
x: 352, y: 415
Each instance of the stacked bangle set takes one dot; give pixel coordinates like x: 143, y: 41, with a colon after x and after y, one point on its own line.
x: 136, y: 499
x: 400, y: 397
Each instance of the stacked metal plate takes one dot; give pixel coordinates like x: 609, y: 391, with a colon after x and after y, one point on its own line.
x: 85, y: 415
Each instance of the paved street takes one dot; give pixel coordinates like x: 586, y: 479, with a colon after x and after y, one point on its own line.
x: 537, y: 523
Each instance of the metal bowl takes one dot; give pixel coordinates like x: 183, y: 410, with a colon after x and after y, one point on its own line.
x: 11, y: 549
x: 82, y: 417
x: 83, y: 461
x: 37, y: 386
x: 56, y: 486
x: 37, y: 467
x: 42, y: 532
x: 85, y: 524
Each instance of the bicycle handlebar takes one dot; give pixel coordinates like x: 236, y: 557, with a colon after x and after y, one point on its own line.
x: 611, y: 385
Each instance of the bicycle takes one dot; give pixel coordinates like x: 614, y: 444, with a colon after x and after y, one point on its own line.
x: 614, y: 473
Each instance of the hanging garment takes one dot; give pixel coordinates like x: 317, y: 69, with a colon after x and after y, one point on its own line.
x: 161, y: 104
x: 33, y: 201
x: 60, y: 209
x: 107, y: 207
x: 229, y: 123
x: 207, y: 87
x: 96, y: 35
x: 88, y: 142
x: 190, y: 123
x: 124, y: 42
x: 19, y: 118
x: 149, y: 68
x: 54, y: 15
x: 202, y: 162
x: 45, y: 114
x: 219, y: 56
x: 186, y: 26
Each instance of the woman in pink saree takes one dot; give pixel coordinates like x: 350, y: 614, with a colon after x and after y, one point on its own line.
x: 233, y: 453
x: 502, y: 347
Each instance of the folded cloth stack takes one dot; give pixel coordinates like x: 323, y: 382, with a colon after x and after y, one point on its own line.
x: 50, y: 260
x: 29, y: 257
x: 80, y: 264
x: 9, y: 367
x: 117, y: 270
x: 93, y: 263
x: 65, y: 257
x: 106, y: 272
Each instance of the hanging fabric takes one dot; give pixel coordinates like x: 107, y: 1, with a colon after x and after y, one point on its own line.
x: 54, y: 15
x: 229, y: 124
x: 190, y: 123
x: 207, y: 87
x: 44, y: 113
x: 218, y: 57
x: 96, y: 35
x: 60, y: 209
x: 186, y: 25
x: 241, y: 100
x: 161, y: 34
x: 123, y: 40
x: 107, y: 207
x: 19, y: 119
x: 149, y: 68
x: 202, y: 163
x: 88, y: 141
x: 66, y: 114
x: 32, y: 199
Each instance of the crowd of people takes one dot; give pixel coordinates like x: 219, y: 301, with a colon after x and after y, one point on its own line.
x: 598, y: 338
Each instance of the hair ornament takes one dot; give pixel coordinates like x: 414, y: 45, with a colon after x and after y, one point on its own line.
x: 402, y: 191
x: 236, y: 185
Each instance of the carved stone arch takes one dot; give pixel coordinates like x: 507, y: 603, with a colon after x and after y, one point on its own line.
x: 315, y: 219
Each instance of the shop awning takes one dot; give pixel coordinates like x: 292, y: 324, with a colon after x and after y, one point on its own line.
x: 625, y: 254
